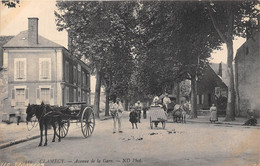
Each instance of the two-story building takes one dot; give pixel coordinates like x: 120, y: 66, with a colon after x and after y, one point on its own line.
x: 41, y: 70
x: 247, y: 75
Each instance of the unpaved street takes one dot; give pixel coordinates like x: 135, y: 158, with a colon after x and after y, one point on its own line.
x: 179, y: 144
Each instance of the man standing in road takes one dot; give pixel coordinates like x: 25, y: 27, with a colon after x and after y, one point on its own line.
x: 116, y: 110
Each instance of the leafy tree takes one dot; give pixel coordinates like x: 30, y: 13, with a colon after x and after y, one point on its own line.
x: 100, y: 31
x: 11, y: 3
x: 178, y: 39
x: 230, y: 19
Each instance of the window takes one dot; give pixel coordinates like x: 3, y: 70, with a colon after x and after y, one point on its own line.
x: 20, y: 96
x: 66, y: 71
x: 75, y: 75
x: 45, y: 68
x: 45, y: 94
x: 200, y: 99
x: 83, y: 79
x: 79, y: 75
x: 75, y: 95
x: 83, y: 96
x: 20, y: 69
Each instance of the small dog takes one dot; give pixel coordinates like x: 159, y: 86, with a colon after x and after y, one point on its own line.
x: 250, y: 122
x: 133, y: 118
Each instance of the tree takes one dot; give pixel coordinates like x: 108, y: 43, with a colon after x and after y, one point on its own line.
x: 230, y: 19
x: 98, y: 31
x: 178, y: 39
x: 11, y: 3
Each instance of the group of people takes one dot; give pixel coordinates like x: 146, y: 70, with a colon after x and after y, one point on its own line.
x: 116, y: 110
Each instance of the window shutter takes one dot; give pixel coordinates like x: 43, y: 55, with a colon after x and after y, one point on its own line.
x: 52, y: 93
x: 202, y: 99
x: 198, y: 99
x: 38, y: 93
x: 22, y: 65
x: 13, y: 97
x: 27, y: 93
x: 13, y: 93
x: 17, y: 69
x: 47, y: 70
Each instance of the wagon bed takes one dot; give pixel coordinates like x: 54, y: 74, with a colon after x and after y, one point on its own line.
x: 157, y: 115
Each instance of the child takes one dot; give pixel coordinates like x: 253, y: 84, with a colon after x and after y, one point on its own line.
x: 133, y: 118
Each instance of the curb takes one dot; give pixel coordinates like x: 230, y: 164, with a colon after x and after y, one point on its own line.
x: 8, y: 144
x: 223, y: 123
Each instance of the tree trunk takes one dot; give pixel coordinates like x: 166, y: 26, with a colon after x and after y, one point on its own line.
x: 126, y: 104
x: 230, y: 113
x: 193, y: 97
x: 107, y: 101
x: 97, y: 93
x: 178, y: 93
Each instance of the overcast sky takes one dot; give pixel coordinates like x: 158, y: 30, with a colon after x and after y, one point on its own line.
x: 15, y: 20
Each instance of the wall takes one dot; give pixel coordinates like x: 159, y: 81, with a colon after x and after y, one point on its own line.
x: 248, y: 76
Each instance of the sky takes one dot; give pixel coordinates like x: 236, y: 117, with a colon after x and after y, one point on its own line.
x: 15, y: 20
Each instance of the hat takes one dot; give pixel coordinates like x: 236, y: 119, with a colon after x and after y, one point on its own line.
x: 138, y: 101
x: 117, y: 99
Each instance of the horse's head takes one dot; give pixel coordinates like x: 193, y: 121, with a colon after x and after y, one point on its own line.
x: 30, y: 111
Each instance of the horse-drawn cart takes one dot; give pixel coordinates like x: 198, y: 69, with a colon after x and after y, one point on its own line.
x: 157, y: 115
x: 62, y: 117
x: 79, y: 112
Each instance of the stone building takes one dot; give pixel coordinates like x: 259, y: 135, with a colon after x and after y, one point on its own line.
x: 37, y: 70
x: 247, y: 76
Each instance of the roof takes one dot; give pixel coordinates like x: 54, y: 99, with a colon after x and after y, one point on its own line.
x: 21, y: 40
x: 3, y: 41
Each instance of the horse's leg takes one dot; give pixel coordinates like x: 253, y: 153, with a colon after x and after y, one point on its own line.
x: 54, y: 128
x: 136, y: 125
x: 132, y: 125
x: 59, y: 121
x: 41, y: 130
x: 46, y: 128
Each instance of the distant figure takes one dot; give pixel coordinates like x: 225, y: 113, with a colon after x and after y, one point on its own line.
x: 133, y: 118
x: 166, y: 101
x: 138, y: 108
x: 116, y: 110
x: 18, y: 116
x: 155, y: 100
x: 213, y: 113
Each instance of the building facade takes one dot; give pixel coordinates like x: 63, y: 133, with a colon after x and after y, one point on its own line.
x: 39, y: 70
x: 210, y: 90
x: 247, y: 76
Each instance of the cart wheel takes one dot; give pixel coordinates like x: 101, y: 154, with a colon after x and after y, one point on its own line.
x: 151, y: 123
x: 163, y: 125
x: 31, y: 124
x: 64, y: 128
x: 87, y: 122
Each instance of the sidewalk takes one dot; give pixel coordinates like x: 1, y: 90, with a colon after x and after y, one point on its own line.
x: 11, y: 134
x: 221, y: 120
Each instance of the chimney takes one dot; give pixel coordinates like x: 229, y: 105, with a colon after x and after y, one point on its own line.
x: 33, y: 31
x: 220, y: 69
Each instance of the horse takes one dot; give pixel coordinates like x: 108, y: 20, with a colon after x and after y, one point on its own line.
x: 45, y: 115
x: 179, y: 113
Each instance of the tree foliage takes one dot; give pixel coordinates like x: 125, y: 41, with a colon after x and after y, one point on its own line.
x: 103, y: 33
